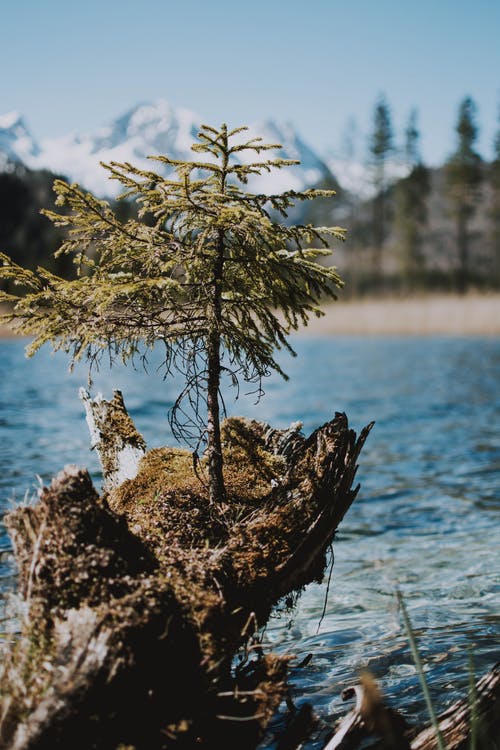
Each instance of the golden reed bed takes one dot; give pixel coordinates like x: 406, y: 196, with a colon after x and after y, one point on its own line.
x: 433, y: 315
x: 470, y: 315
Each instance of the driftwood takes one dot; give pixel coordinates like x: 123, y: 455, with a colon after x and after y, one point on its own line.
x: 371, y: 718
x: 481, y: 713
x: 142, y: 606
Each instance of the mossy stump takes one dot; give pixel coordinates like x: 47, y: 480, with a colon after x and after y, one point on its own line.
x: 143, y: 605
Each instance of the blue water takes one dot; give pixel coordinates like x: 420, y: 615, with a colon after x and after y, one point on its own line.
x: 426, y: 520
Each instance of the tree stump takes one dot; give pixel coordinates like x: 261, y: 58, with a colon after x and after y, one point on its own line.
x: 142, y: 606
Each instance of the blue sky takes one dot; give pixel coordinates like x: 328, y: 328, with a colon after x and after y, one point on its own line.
x: 76, y: 65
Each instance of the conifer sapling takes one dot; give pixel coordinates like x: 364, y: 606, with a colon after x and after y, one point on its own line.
x: 207, y: 269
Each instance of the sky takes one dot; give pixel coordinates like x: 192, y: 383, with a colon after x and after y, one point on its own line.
x: 320, y: 64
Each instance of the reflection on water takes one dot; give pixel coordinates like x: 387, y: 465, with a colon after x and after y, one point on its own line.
x: 426, y: 520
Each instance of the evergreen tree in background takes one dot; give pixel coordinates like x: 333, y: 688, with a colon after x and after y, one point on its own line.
x: 350, y: 140
x: 207, y: 269
x: 412, y: 141
x: 411, y: 207
x: 464, y: 175
x: 495, y: 208
x: 381, y: 147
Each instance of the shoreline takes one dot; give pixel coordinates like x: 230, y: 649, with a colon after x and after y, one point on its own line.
x: 427, y: 315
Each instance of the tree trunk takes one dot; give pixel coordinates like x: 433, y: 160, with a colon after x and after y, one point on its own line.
x: 217, y: 492
x: 463, y: 250
x: 379, y: 223
x: 214, y: 448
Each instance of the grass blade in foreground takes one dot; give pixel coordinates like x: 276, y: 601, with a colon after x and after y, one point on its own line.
x: 420, y: 670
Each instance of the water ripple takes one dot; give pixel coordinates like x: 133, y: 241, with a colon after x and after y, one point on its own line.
x: 426, y: 520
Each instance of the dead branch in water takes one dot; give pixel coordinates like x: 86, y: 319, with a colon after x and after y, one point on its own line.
x: 371, y: 718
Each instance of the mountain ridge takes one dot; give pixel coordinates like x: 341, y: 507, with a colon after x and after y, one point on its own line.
x: 147, y: 129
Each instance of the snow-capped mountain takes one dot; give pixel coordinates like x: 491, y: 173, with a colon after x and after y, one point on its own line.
x: 357, y: 177
x: 16, y: 142
x: 151, y: 128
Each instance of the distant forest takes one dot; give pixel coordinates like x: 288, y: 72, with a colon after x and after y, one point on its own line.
x: 434, y: 229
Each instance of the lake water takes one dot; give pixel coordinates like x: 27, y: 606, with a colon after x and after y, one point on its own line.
x: 426, y: 520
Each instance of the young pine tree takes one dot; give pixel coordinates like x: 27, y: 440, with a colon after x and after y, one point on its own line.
x: 381, y: 147
x: 411, y: 206
x: 208, y: 269
x: 464, y: 176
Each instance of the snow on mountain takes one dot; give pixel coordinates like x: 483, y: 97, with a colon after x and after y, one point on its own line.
x: 311, y: 170
x: 357, y: 177
x: 148, y: 129
x: 153, y: 128
x: 17, y: 145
